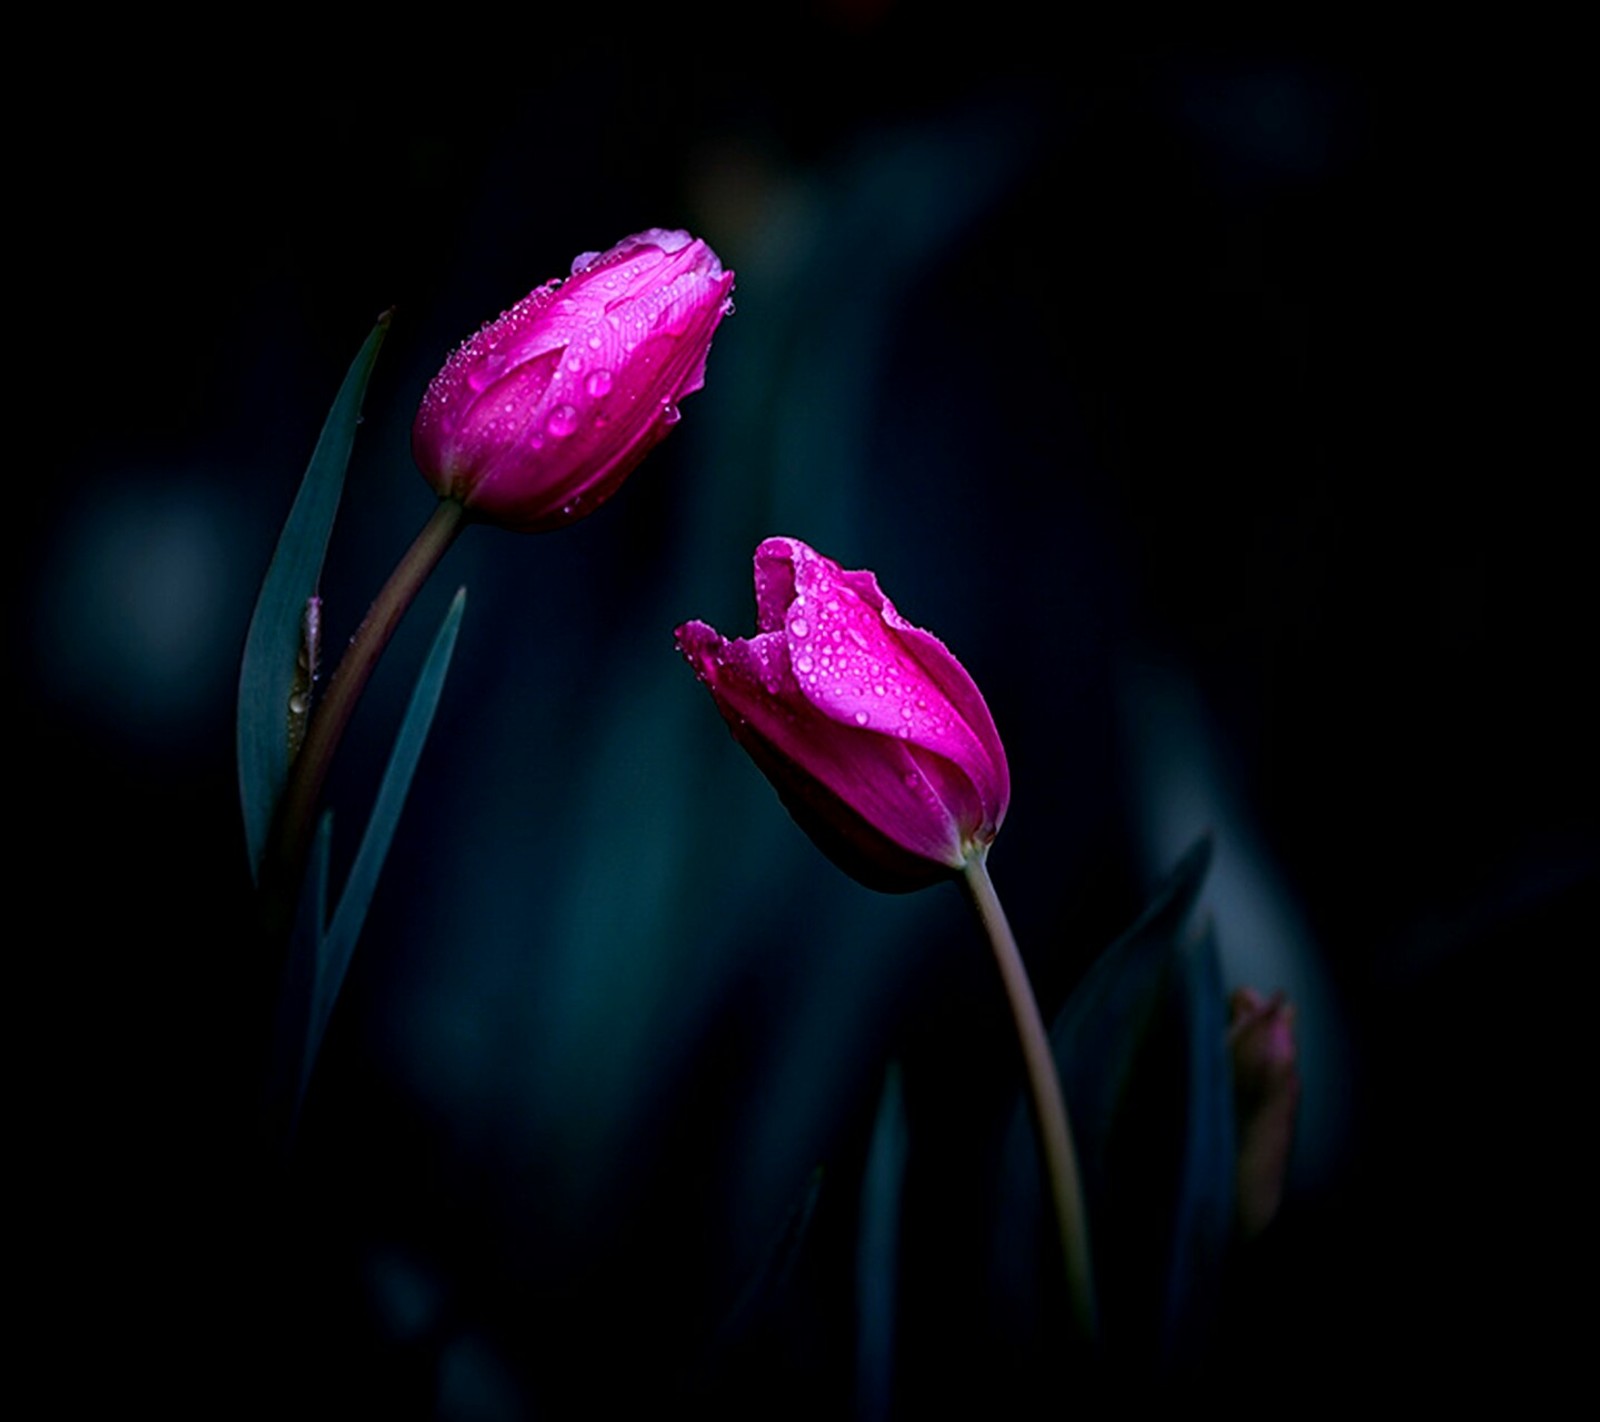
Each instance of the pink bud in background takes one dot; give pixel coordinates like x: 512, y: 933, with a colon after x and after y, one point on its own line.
x: 537, y: 419
x: 1266, y: 1093
x: 876, y: 739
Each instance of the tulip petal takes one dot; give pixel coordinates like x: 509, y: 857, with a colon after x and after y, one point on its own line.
x: 876, y: 779
x: 875, y: 737
x: 540, y: 416
x: 860, y: 663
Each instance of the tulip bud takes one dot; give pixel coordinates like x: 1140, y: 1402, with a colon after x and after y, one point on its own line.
x: 874, y: 736
x: 1266, y: 1093
x: 537, y: 419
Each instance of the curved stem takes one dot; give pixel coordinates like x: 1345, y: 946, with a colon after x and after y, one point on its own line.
x: 291, y: 833
x: 1044, y: 1095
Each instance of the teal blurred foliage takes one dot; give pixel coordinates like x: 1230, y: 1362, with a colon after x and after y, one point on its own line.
x: 1195, y: 365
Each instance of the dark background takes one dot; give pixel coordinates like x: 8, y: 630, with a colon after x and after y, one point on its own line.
x: 1212, y: 403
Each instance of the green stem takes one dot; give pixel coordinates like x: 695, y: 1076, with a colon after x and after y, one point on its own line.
x: 291, y: 835
x: 1044, y: 1095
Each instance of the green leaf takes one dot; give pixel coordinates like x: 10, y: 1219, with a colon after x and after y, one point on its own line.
x: 1099, y: 1031
x: 1203, y: 1214
x: 878, y: 1253
x: 767, y: 1285
x: 1112, y: 1043
x: 285, y: 1081
x: 338, y: 944
x: 272, y: 645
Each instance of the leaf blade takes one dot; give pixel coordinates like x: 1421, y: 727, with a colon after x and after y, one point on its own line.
x: 337, y: 946
x: 1203, y: 1222
x: 878, y: 1252
x: 267, y: 667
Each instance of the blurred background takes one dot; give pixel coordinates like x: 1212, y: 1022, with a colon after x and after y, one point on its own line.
x: 1209, y: 402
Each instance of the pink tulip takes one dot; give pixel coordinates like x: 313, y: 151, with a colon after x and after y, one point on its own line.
x: 876, y: 739
x: 537, y: 419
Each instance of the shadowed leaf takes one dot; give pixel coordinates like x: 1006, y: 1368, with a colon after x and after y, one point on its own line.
x: 1112, y: 1043
x: 337, y: 945
x: 767, y: 1285
x: 878, y: 1254
x: 272, y: 645
x: 1100, y: 1029
x: 1205, y: 1201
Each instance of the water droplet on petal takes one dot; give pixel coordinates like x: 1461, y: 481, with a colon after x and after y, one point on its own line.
x: 862, y: 718
x: 598, y: 383
x: 799, y: 627
x: 563, y: 420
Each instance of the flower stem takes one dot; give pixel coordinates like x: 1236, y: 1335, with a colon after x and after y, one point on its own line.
x: 1044, y: 1095
x: 291, y: 834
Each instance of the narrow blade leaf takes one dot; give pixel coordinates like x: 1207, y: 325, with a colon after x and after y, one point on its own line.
x: 1108, y: 1032
x: 1099, y: 1031
x: 764, y: 1291
x: 1203, y: 1219
x: 286, y: 1068
x: 338, y: 943
x: 878, y: 1253
x: 267, y: 672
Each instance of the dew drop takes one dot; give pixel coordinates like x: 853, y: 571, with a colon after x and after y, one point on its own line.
x: 862, y: 718
x: 598, y: 383
x: 799, y: 627
x: 563, y: 420
x: 805, y: 664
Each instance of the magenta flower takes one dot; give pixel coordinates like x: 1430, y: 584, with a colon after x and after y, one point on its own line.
x: 537, y: 419
x: 876, y: 739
